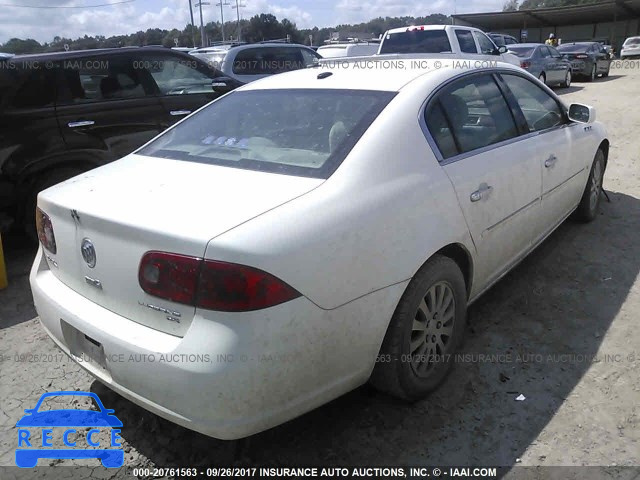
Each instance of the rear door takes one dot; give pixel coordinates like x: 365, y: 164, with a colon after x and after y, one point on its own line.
x: 182, y: 84
x: 106, y: 105
x: 562, y: 174
x: 29, y: 132
x: 496, y: 177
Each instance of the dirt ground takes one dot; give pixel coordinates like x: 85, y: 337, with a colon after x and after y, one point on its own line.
x: 561, y: 329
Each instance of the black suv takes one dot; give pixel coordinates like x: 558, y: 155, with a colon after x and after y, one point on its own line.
x: 64, y: 113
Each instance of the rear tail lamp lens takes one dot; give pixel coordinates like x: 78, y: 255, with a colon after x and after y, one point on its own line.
x: 44, y: 228
x: 525, y: 64
x: 211, y: 284
x: 582, y: 55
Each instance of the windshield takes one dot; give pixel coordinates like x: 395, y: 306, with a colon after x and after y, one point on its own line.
x: 416, y: 41
x: 302, y: 132
x: 498, y: 40
x: 632, y: 41
x: 573, y: 48
x: 523, y: 52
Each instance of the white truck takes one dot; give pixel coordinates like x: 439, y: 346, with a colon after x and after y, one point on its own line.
x: 450, y: 40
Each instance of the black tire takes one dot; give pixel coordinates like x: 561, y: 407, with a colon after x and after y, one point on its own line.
x: 606, y: 74
x: 394, y: 372
x: 590, y: 202
x: 567, y: 79
x: 46, y: 179
x: 542, y: 77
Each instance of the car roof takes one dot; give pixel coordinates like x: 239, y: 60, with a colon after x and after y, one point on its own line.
x: 528, y: 45
x: 373, y: 74
x: 424, y: 27
x: 86, y: 53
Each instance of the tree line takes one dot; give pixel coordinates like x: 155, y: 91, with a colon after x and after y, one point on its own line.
x: 264, y: 26
x: 513, y: 5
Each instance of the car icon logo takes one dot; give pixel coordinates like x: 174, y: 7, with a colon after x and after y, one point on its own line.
x: 54, y: 445
x: 88, y: 252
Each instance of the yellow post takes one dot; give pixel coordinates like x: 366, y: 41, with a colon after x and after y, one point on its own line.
x: 3, y: 270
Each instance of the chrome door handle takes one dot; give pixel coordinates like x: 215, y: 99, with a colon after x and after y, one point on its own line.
x: 551, y: 161
x: 177, y: 113
x: 86, y: 123
x: 483, y: 192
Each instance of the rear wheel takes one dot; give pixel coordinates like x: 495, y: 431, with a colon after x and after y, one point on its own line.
x: 593, y: 74
x: 426, y: 328
x: 543, y: 78
x: 606, y: 74
x: 567, y: 80
x: 46, y: 179
x: 588, y: 207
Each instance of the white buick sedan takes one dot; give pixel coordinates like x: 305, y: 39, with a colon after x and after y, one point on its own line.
x: 308, y: 233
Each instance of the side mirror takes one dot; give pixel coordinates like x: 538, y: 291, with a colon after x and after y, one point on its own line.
x: 582, y: 113
x: 223, y: 84
x: 502, y: 49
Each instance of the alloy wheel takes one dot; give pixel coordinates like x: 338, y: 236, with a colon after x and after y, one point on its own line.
x: 432, y: 329
x: 596, y: 185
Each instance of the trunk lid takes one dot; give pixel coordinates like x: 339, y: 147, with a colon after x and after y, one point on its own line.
x: 138, y: 204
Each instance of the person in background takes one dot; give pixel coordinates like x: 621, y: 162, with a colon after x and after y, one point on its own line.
x: 552, y: 40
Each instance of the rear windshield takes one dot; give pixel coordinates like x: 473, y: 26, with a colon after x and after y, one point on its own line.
x: 303, y: 132
x: 573, y: 48
x: 632, y: 41
x: 416, y: 41
x: 523, y: 52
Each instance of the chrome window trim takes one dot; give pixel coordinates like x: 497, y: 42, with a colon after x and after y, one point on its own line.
x: 422, y: 121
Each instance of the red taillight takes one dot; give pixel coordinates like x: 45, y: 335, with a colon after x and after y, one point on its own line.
x: 211, y: 284
x: 45, y: 231
x: 525, y: 64
x: 170, y: 276
x: 582, y: 55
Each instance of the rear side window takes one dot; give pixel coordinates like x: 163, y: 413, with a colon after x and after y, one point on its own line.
x: 470, y: 114
x: 269, y: 61
x: 465, y: 39
x: 416, y: 41
x: 273, y: 130
x: 539, y: 108
x: 102, y: 78
x: 37, y: 89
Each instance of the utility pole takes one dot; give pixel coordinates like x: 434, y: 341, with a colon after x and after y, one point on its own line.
x: 202, y: 39
x: 226, y: 4
x: 238, y: 6
x: 193, y: 26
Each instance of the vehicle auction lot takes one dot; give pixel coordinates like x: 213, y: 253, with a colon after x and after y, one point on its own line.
x: 560, y: 329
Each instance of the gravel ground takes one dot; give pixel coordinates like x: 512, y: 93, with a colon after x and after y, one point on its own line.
x: 560, y: 329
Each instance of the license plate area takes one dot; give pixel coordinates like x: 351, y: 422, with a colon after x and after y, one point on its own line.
x: 84, y: 349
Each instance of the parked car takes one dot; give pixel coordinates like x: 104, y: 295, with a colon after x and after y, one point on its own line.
x: 252, y: 61
x: 341, y: 50
x: 444, y: 39
x: 501, y: 40
x: 544, y: 62
x: 588, y: 59
x: 269, y: 250
x: 630, y: 48
x: 67, y: 112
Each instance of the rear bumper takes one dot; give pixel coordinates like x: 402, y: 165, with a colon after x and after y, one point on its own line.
x: 231, y: 375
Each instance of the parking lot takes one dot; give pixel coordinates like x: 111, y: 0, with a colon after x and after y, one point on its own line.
x: 560, y: 330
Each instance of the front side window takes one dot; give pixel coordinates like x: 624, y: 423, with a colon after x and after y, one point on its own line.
x: 309, y: 57
x: 544, y: 51
x: 539, y: 108
x: 267, y: 61
x: 466, y: 41
x: 486, y: 46
x: 177, y: 76
x: 468, y: 115
x: 302, y: 132
x: 416, y: 41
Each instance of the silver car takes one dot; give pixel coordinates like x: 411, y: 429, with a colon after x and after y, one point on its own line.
x: 544, y: 62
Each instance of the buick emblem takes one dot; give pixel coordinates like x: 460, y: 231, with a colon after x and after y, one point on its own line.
x: 88, y: 252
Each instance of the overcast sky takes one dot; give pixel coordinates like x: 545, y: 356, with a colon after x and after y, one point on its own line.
x: 44, y: 23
